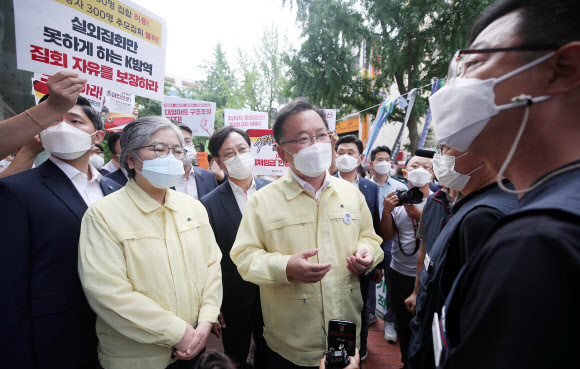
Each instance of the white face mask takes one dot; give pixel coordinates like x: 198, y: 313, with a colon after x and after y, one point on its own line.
x: 162, y: 172
x: 346, y: 163
x: 444, y: 168
x: 384, y: 167
x: 240, y: 166
x: 313, y: 160
x: 97, y: 161
x: 419, y: 177
x: 462, y: 109
x: 190, y: 155
x: 65, y: 141
x: 392, y: 172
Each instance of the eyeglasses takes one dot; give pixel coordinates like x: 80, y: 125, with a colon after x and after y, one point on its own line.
x: 231, y: 154
x: 162, y: 150
x: 305, y: 140
x: 459, y: 66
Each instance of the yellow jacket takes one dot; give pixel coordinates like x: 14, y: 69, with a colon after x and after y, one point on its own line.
x: 147, y: 271
x: 282, y: 219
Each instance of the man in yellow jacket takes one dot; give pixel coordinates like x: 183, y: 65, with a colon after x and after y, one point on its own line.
x: 305, y: 239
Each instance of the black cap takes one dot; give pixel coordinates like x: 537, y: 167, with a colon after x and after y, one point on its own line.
x: 425, y: 153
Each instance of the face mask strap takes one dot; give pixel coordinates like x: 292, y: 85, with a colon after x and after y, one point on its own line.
x: 524, y: 67
x: 476, y: 169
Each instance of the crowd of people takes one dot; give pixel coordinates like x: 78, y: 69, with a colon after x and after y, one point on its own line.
x: 134, y: 263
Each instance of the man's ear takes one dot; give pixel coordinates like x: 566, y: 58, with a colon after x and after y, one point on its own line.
x: 281, y: 153
x: 566, y: 66
x: 362, y: 158
x: 99, y: 136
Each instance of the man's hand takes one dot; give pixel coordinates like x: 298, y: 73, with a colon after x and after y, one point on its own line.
x: 378, y: 276
x: 390, y: 203
x: 217, y: 327
x: 64, y: 88
x: 354, y: 362
x: 217, y: 171
x: 360, y: 262
x: 413, y: 211
x: 411, y: 303
x: 333, y: 139
x: 32, y: 147
x: 182, y: 345
x: 300, y: 269
x: 197, y: 343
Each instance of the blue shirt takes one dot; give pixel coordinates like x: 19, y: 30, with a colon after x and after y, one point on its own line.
x: 390, y: 185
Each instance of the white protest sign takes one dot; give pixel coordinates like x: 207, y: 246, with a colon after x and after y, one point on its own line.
x: 114, y: 44
x: 245, y: 120
x: 266, y: 159
x: 117, y: 110
x: 331, y: 119
x: 91, y: 92
x: 198, y: 115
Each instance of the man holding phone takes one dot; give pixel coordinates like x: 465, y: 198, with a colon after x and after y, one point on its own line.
x: 305, y: 239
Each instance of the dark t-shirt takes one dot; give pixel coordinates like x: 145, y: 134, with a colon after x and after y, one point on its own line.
x: 519, y: 298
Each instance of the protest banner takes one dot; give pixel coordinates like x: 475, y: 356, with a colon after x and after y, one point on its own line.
x: 202, y: 161
x: 114, y: 44
x: 198, y: 115
x: 266, y: 159
x: 244, y: 119
x: 118, y: 110
x: 331, y: 119
x: 91, y: 92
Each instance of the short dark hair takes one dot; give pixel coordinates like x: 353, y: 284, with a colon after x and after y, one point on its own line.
x: 87, y: 108
x: 297, y: 106
x: 183, y: 126
x: 217, y: 139
x: 213, y: 359
x: 114, y: 137
x: 350, y: 139
x: 379, y: 149
x: 553, y: 22
x: 99, y: 146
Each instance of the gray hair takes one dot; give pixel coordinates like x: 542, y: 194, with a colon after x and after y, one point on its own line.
x: 138, y: 133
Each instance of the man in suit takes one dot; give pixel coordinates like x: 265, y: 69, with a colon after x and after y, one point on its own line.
x: 241, y: 310
x: 348, y: 157
x: 46, y: 319
x: 120, y: 175
x: 114, y: 144
x: 196, y: 182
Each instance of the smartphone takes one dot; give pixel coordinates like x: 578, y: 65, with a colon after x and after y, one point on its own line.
x: 342, y: 332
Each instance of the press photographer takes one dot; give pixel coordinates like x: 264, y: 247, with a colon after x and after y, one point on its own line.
x: 403, y: 230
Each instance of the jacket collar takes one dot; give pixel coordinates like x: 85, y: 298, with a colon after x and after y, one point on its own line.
x: 145, y: 202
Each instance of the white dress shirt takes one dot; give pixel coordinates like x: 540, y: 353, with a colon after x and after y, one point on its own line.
x: 356, y: 183
x: 241, y: 197
x: 90, y: 191
x: 188, y: 186
x: 110, y: 166
x: 308, y: 187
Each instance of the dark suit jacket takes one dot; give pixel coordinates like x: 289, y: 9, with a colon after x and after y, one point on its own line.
x: 204, y: 181
x: 225, y: 217
x: 46, y: 320
x: 370, y: 190
x: 117, y: 176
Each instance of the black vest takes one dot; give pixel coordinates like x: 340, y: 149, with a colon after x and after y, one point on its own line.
x: 430, y: 296
x: 558, y: 194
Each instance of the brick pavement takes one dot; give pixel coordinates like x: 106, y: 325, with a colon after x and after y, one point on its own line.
x: 382, y: 355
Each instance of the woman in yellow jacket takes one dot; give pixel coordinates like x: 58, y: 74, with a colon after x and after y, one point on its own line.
x: 148, y: 260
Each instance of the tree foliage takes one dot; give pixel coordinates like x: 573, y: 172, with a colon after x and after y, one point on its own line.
x: 411, y: 42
